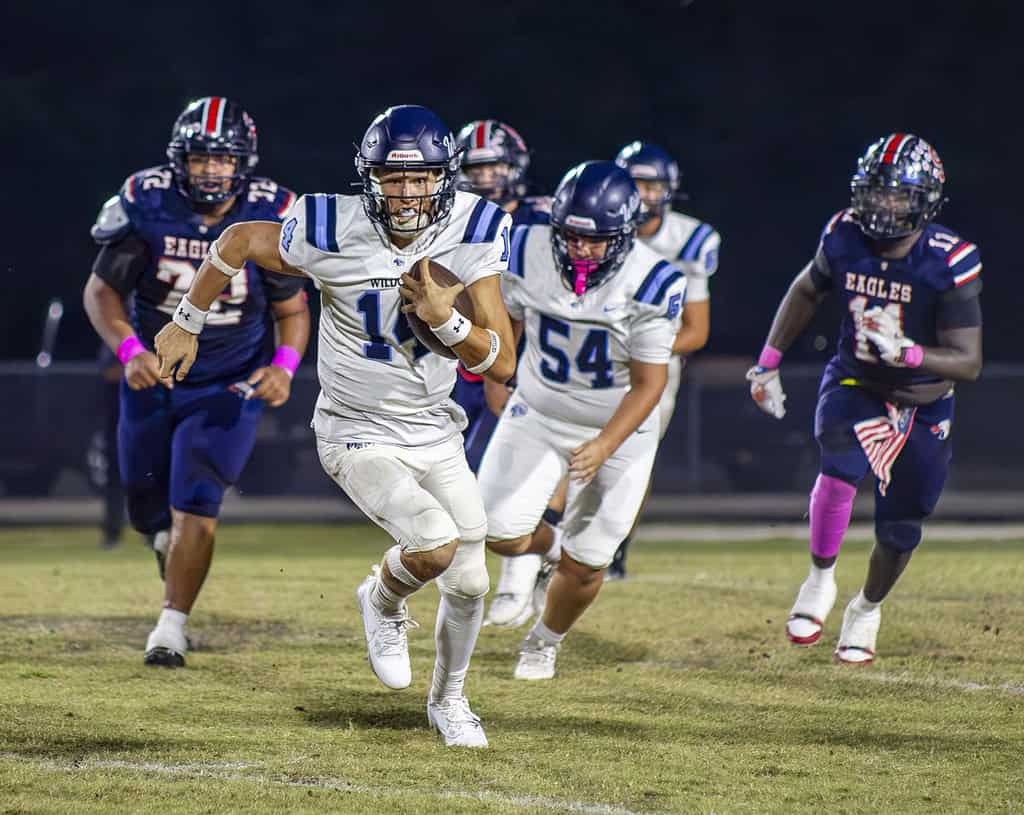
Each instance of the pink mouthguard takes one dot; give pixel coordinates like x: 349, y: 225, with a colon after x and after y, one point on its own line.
x: 583, y: 268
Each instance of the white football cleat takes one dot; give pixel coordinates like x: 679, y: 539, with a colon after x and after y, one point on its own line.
x: 539, y: 597
x: 812, y: 606
x: 858, y: 635
x: 166, y: 647
x: 536, y: 659
x: 459, y: 725
x: 387, y: 645
x: 511, y: 606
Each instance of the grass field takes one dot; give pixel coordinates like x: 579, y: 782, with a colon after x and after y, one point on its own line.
x: 677, y: 693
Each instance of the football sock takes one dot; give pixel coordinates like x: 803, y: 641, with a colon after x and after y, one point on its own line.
x: 862, y: 604
x: 170, y: 618
x: 818, y: 577
x: 385, y: 598
x: 542, y: 632
x: 456, y: 632
x: 831, y: 505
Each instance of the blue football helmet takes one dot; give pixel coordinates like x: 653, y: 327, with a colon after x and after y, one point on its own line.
x: 488, y: 141
x: 648, y: 161
x: 212, y: 125
x: 897, y: 187
x: 408, y: 137
x: 595, y: 199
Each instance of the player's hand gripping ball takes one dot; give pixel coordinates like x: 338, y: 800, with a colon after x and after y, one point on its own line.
x: 429, y: 301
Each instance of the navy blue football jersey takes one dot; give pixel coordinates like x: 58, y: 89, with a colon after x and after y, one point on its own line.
x: 922, y: 290
x: 153, y: 244
x: 535, y: 209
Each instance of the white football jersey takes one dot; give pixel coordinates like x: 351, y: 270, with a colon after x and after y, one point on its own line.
x: 692, y: 246
x: 371, y: 368
x: 575, y: 367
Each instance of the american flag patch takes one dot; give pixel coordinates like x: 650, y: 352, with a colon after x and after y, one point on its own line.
x: 882, y: 438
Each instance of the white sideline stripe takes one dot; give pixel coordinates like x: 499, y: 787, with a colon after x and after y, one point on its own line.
x: 952, y: 684
x: 220, y: 771
x: 727, y: 533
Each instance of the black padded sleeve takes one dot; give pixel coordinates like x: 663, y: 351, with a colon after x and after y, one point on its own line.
x: 120, y: 264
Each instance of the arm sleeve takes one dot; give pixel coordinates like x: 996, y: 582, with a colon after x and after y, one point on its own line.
x: 656, y: 324
x: 120, y: 264
x: 821, y: 270
x: 281, y: 286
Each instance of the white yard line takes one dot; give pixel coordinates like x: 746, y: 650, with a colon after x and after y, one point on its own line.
x: 226, y: 771
x: 935, y: 682
x: 728, y: 533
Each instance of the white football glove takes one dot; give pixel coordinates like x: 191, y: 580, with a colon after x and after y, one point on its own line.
x: 766, y: 390
x: 883, y: 330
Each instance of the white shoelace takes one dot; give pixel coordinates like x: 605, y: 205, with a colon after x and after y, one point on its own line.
x: 458, y: 714
x: 390, y: 639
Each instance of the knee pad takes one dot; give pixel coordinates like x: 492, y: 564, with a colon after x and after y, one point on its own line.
x: 202, y: 496
x: 900, y: 536
x: 415, y: 516
x: 148, y: 510
x: 467, y: 576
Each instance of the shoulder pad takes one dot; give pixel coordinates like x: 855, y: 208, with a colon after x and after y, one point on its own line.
x: 483, y: 223
x: 517, y: 254
x: 112, y: 223
x: 842, y: 217
x: 146, y: 188
x: 961, y: 258
x: 267, y: 198
x: 657, y: 283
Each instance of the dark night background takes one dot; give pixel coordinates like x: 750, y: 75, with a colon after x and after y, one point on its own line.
x: 765, y: 105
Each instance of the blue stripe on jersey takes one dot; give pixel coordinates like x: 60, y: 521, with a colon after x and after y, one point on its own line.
x: 332, y: 223
x: 663, y: 289
x: 653, y: 289
x: 311, y: 219
x: 483, y: 222
x: 516, y: 264
x: 325, y: 218
x: 691, y: 249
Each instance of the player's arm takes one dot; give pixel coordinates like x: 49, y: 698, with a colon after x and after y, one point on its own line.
x: 693, y: 335
x: 646, y: 383
x: 793, y: 315
x: 256, y: 241
x: 114, y: 275
x: 273, y: 382
x: 957, y: 356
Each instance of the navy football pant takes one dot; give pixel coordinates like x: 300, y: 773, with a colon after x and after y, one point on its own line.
x: 918, y: 474
x: 181, y: 448
x: 477, y: 435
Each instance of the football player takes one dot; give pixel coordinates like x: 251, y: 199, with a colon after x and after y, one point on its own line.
x: 181, y: 446
x: 691, y: 245
x: 601, y: 313
x: 386, y: 430
x: 494, y: 162
x: 911, y: 329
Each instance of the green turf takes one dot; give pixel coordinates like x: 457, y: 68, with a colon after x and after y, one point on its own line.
x: 677, y: 692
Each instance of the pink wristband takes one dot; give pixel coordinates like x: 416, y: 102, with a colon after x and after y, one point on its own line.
x: 288, y: 358
x: 129, y: 348
x: 913, y: 356
x: 770, y: 357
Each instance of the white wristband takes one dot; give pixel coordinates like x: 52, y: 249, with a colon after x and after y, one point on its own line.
x: 189, y: 317
x: 492, y: 355
x: 220, y: 264
x: 453, y: 330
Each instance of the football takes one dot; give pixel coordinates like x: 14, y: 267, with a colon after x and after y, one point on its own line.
x: 463, y: 302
